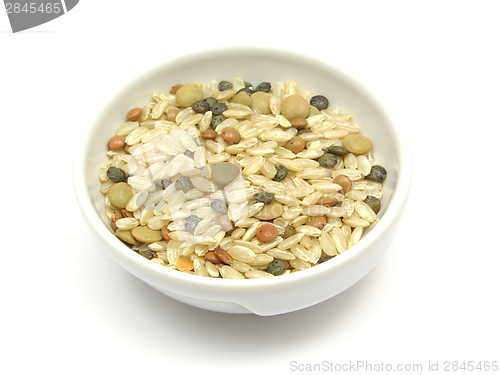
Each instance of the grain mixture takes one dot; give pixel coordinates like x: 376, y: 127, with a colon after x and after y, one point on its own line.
x: 235, y: 181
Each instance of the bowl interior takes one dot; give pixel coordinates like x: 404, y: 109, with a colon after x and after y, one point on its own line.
x: 255, y: 66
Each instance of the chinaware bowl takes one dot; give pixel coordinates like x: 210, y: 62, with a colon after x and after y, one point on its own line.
x: 268, y: 296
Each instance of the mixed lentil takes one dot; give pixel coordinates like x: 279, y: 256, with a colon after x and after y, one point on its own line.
x: 239, y: 181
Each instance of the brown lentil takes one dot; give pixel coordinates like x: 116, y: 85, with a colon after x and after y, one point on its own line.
x: 296, y: 144
x: 316, y: 221
x: 172, y: 114
x: 175, y: 87
x: 299, y: 123
x: 267, y: 233
x: 116, y: 142
x: 223, y: 255
x: 115, y: 216
x: 164, y: 233
x: 212, y: 257
x: 126, y: 213
x: 231, y: 135
x: 134, y: 114
x: 327, y: 201
x: 343, y: 181
x: 209, y: 134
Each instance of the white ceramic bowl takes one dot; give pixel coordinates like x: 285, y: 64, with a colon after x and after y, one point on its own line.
x: 259, y: 296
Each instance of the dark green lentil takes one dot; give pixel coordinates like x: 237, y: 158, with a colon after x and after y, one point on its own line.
x: 189, y: 154
x: 163, y: 183
x: 289, y: 231
x: 192, y: 222
x: 216, y: 120
x: 219, y: 205
x: 211, y: 101
x: 304, y: 131
x: 319, y: 101
x: 148, y: 254
x: 377, y: 173
x: 263, y: 86
x: 225, y: 85
x: 373, y: 202
x: 248, y: 85
x: 116, y: 174
x: 277, y: 267
x: 218, y: 109
x: 201, y: 106
x: 325, y: 258
x: 281, y: 173
x: 338, y: 150
x: 249, y: 91
x: 327, y: 160
x: 184, y: 183
x: 264, y: 197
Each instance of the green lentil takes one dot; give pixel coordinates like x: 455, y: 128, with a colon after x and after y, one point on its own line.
x: 116, y: 174
x: 338, y: 150
x: 277, y: 267
x: 263, y: 86
x: 319, y: 101
x: 325, y: 258
x: 264, y: 197
x: 327, y: 160
x: 218, y: 109
x: 290, y: 231
x: 211, y: 101
x: 373, y: 202
x: 148, y: 254
x: 192, y: 222
x: 216, y: 120
x: 219, y: 205
x: 377, y: 174
x: 201, y: 106
x: 225, y: 85
x: 184, y: 183
x: 281, y: 173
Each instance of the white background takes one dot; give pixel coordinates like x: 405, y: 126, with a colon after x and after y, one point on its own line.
x: 66, y: 309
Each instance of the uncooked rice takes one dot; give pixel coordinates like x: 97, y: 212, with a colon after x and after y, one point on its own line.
x: 157, y: 150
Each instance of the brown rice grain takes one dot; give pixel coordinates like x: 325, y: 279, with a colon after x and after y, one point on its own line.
x: 261, y: 260
x: 292, y: 240
x: 355, y: 221
x: 339, y: 240
x: 280, y: 254
x: 327, y: 244
x: 257, y: 274
x: 299, y: 220
x: 309, y: 230
x: 241, y: 266
x: 299, y: 264
x: 228, y: 272
x: 269, y: 245
x: 315, y: 251
x: 300, y: 252
x: 211, y: 269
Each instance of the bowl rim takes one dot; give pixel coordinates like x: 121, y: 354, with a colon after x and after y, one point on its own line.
x: 155, y: 271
